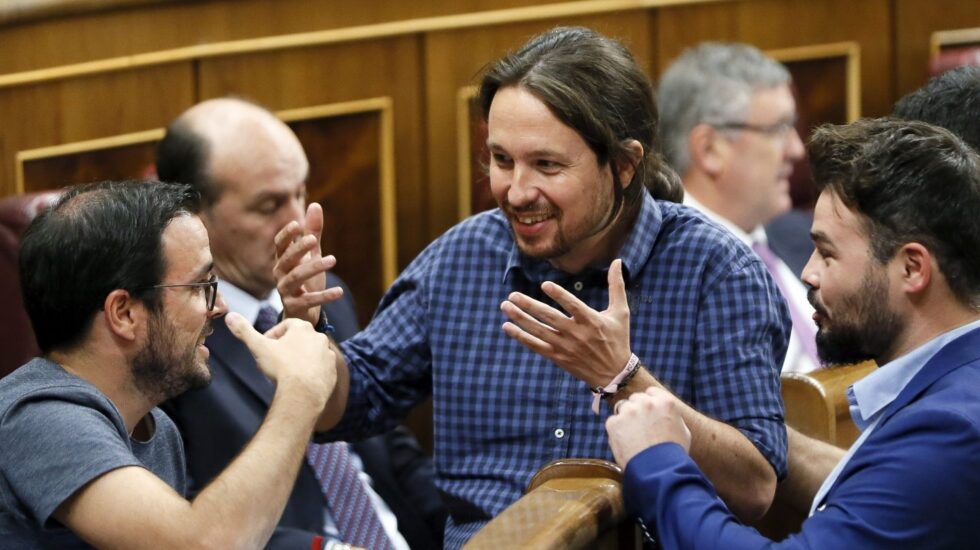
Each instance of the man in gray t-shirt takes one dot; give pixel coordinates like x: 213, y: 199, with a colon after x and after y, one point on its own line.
x: 117, y: 282
x: 59, y: 433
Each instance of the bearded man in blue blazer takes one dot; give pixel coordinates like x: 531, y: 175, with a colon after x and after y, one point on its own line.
x: 895, y: 277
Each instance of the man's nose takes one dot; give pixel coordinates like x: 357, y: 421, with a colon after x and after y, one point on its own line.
x: 220, y: 307
x: 809, y: 274
x: 794, y: 148
x: 523, y: 190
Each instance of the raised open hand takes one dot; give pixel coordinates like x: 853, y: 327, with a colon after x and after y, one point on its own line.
x: 591, y: 345
x: 301, y: 269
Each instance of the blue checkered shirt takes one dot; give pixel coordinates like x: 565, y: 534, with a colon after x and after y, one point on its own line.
x: 706, y: 320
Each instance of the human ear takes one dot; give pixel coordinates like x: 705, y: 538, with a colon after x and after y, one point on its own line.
x: 916, y: 264
x: 123, y: 314
x: 626, y: 168
x: 707, y: 152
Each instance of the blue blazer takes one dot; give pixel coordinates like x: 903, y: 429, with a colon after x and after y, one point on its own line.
x: 913, y: 483
x: 218, y: 421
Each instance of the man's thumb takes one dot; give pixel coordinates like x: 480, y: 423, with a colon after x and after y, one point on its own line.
x: 244, y: 331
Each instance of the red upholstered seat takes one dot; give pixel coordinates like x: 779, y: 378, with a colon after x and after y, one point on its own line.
x: 17, y: 343
x: 950, y: 58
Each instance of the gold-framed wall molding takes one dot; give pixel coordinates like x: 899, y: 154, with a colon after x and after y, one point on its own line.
x: 850, y: 51
x: 334, y: 36
x: 955, y: 37
x: 383, y: 106
x: 111, y: 142
x: 464, y: 182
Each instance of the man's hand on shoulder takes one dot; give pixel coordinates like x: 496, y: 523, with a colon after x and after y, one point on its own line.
x: 301, y: 269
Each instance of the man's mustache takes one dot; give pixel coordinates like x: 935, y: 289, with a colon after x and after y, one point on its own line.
x: 811, y: 296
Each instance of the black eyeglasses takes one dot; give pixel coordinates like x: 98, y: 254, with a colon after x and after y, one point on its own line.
x: 776, y: 129
x: 210, y: 289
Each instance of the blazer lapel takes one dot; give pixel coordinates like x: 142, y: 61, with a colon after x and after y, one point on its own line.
x: 952, y: 356
x: 238, y: 361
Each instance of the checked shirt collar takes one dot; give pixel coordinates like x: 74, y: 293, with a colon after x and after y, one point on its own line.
x: 635, y: 252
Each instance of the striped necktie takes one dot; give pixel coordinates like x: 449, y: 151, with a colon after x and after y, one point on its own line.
x: 268, y: 317
x: 804, y: 328
x: 350, y: 505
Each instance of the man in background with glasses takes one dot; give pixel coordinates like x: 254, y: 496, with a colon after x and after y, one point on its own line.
x: 728, y: 128
x: 117, y: 281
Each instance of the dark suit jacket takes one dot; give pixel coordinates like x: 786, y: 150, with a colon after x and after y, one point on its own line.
x: 789, y: 238
x: 218, y: 421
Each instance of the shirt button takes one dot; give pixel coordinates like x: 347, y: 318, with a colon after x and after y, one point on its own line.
x: 559, y: 433
x: 577, y: 285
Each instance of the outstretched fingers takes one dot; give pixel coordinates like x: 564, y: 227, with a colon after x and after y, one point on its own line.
x: 294, y: 254
x: 617, y: 288
x: 294, y: 282
x: 314, y: 227
x: 533, y: 343
x: 568, y: 301
x: 531, y: 316
x: 287, y: 236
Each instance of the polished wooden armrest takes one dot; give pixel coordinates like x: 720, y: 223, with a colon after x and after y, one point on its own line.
x: 570, y: 503
x: 816, y: 402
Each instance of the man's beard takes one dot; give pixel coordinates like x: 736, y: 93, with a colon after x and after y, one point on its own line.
x: 863, y: 327
x: 565, y: 238
x: 161, y: 370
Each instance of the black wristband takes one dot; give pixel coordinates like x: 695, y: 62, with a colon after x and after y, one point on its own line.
x: 323, y: 324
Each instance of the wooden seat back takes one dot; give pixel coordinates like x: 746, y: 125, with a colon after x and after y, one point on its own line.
x: 816, y: 403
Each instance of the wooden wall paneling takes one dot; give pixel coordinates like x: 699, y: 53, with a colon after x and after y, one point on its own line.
x: 914, y: 23
x: 78, y: 34
x: 830, y: 78
x: 19, y: 11
x: 454, y: 59
x: 92, y: 107
x: 776, y: 24
x: 952, y: 39
x: 337, y: 73
x: 71, y: 39
x: 827, y: 86
x: 681, y: 27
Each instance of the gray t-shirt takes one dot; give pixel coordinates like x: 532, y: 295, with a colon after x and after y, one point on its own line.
x: 57, y: 433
